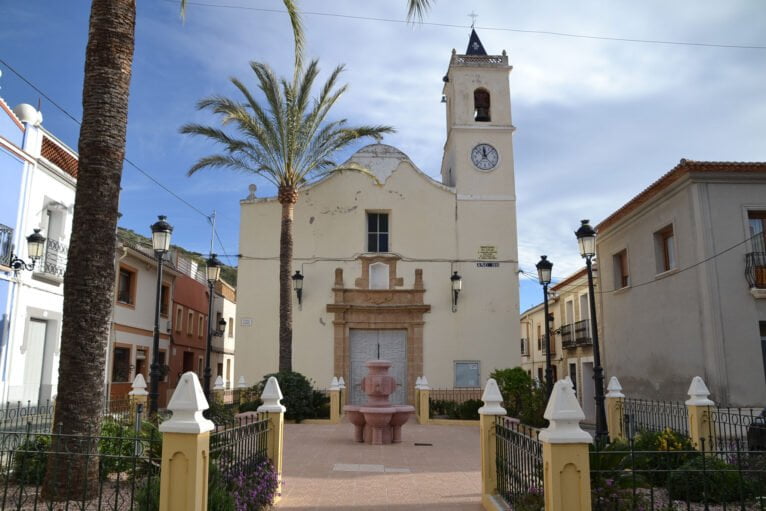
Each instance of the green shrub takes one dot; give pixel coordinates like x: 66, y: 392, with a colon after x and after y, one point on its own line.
x: 439, y: 408
x: 298, y: 394
x: 29, y: 460
x: 320, y: 404
x: 522, y: 397
x: 660, y: 452
x: 469, y: 410
x: 220, y: 413
x: 116, y: 446
x: 250, y: 406
x: 719, y: 482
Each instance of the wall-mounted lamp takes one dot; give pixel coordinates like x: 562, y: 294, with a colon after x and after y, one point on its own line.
x: 444, y: 98
x: 298, y: 286
x: 457, y: 285
x: 221, y: 328
x: 35, y: 247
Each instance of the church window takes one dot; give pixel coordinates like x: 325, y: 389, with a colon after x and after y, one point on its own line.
x: 377, y: 232
x: 481, y: 105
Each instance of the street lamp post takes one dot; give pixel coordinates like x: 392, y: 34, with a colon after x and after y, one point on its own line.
x: 586, y: 239
x: 544, y: 268
x: 213, y: 273
x: 161, y: 233
x: 35, y: 248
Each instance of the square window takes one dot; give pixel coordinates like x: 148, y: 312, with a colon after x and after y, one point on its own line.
x: 467, y: 374
x: 621, y: 275
x: 121, y: 365
x: 665, y: 249
x: 377, y: 232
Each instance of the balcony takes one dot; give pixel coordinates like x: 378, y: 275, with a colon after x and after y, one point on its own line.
x: 567, y: 337
x: 6, y: 245
x: 755, y: 273
x: 582, y: 332
x: 53, y: 264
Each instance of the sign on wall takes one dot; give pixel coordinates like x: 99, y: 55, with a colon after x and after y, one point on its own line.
x: 487, y: 253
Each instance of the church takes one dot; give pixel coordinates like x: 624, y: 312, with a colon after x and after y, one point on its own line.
x: 402, y: 267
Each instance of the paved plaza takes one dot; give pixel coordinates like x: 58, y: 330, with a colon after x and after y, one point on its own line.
x: 325, y: 469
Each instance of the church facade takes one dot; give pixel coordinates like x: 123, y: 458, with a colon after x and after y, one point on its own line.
x: 380, y: 257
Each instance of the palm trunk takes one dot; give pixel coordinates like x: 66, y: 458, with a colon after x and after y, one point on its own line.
x: 90, y: 272
x: 287, y: 197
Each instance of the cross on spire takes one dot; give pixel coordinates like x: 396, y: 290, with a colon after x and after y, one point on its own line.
x: 473, y: 17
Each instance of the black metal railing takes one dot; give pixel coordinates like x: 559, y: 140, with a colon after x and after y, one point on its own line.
x: 741, y: 426
x: 519, y: 463
x: 55, y: 258
x: 234, y: 447
x: 18, y: 416
x: 461, y: 403
x: 632, y: 475
x: 6, y: 245
x: 567, y: 335
x: 646, y: 415
x: 38, y: 470
x: 582, y: 332
x: 755, y: 269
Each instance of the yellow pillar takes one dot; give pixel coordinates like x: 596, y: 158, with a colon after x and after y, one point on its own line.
x: 425, y: 409
x: 566, y: 458
x: 185, y: 449
x: 615, y: 400
x: 275, y: 413
x: 488, y: 441
x: 335, y: 405
x: 698, y: 410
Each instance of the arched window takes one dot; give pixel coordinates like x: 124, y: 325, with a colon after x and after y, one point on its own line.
x: 481, y: 105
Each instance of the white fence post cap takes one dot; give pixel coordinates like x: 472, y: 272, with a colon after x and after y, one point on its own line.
x: 334, y: 385
x: 139, y: 386
x: 242, y: 383
x: 218, y: 385
x: 341, y: 383
x: 564, y: 415
x: 614, y: 388
x: 698, y: 393
x: 419, y: 382
x: 187, y: 404
x: 271, y: 397
x: 424, y: 383
x: 493, y: 399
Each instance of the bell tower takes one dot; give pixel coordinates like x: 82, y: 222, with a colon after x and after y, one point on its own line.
x: 478, y: 154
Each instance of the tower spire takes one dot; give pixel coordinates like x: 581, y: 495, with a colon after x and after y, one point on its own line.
x: 474, y: 45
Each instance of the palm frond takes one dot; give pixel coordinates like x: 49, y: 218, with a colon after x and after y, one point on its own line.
x: 416, y: 9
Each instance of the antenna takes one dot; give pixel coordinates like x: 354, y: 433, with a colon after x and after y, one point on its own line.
x: 212, y: 230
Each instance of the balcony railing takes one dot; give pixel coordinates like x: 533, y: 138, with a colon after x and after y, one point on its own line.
x: 54, y: 260
x: 582, y: 332
x: 567, y: 336
x: 6, y: 245
x: 755, y: 269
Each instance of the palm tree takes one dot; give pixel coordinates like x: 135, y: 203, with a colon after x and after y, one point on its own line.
x: 287, y: 139
x: 417, y: 8
x: 90, y: 273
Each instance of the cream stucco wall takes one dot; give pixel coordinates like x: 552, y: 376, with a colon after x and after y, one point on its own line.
x: 330, y: 232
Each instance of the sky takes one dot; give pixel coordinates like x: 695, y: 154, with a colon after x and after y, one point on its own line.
x: 600, y: 110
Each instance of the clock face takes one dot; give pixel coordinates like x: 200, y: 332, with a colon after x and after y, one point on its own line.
x: 484, y: 156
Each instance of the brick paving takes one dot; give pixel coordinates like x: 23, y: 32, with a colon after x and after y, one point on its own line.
x: 325, y: 469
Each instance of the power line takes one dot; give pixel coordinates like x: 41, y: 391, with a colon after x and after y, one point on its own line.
x: 126, y: 159
x: 497, y: 29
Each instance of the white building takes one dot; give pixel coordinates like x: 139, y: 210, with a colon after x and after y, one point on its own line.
x: 683, y: 284
x: 33, y: 299
x: 223, y: 346
x: 378, y: 257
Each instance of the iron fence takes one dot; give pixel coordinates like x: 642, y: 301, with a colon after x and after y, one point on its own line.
x: 455, y: 395
x: 567, y: 335
x: 647, y: 415
x: 519, y: 462
x: 58, y: 471
x: 235, y: 447
x: 755, y: 269
x: 582, y: 332
x: 745, y: 427
x: 19, y: 416
x: 676, y: 477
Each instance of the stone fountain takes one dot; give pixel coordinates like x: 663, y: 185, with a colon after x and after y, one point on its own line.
x: 378, y: 422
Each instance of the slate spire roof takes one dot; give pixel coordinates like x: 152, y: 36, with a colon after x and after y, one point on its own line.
x: 474, y: 45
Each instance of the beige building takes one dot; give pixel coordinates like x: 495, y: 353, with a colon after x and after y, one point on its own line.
x: 683, y: 285
x: 377, y: 257
x: 532, y: 341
